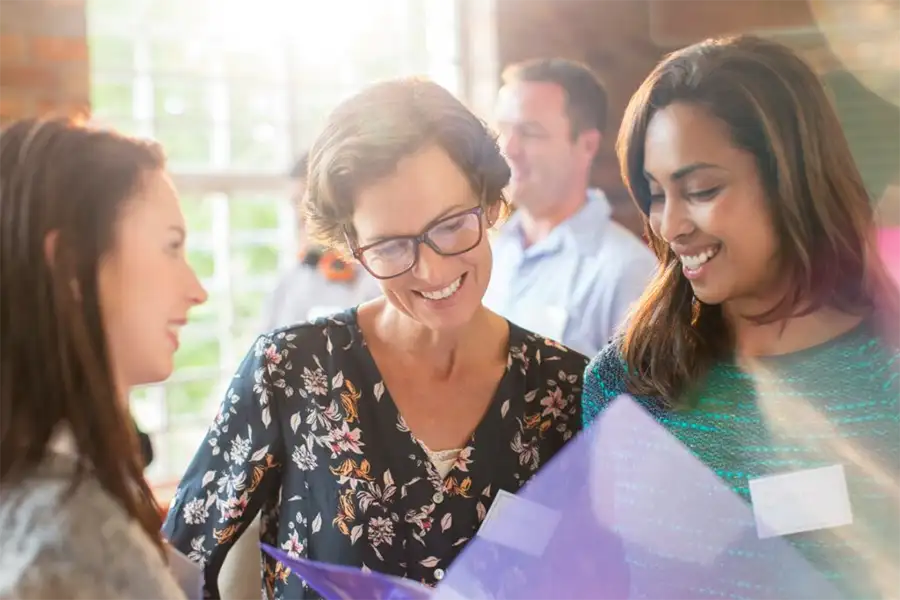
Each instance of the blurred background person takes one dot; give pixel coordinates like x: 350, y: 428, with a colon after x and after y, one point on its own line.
x: 562, y: 266
x: 95, y: 290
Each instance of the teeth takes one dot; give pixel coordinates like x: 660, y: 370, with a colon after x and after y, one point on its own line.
x: 444, y: 293
x: 695, y: 262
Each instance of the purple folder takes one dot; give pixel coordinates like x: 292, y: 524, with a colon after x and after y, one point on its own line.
x: 625, y: 511
x: 337, y: 582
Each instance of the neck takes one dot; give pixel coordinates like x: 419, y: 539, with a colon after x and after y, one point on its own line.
x: 537, y: 226
x: 444, y: 352
x: 784, y: 337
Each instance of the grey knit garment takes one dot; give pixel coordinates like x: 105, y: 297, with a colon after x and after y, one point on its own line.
x: 82, y: 545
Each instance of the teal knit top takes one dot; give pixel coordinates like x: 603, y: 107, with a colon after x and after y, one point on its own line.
x: 818, y: 407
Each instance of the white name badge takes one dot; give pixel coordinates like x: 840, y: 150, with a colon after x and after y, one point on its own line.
x: 801, y: 501
x: 526, y: 525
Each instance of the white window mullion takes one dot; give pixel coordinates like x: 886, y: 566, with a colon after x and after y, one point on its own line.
x: 222, y: 278
x: 219, y: 105
x: 143, y: 106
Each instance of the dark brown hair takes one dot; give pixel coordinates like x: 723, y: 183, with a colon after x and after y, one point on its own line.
x: 586, y: 100
x: 66, y: 183
x: 367, y: 135
x: 775, y: 108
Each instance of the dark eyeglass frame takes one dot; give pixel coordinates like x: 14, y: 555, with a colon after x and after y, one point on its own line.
x: 418, y: 240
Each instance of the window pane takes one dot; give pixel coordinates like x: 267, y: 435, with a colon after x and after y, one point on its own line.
x: 246, y: 333
x: 207, y: 314
x: 110, y: 9
x: 191, y: 398
x: 198, y: 214
x: 258, y: 126
x: 259, y: 146
x: 181, y: 56
x: 111, y: 54
x: 203, y: 262
x: 197, y: 350
x: 248, y: 306
x: 186, y: 145
x: 165, y: 14
x: 175, y: 449
x: 253, y: 261
x: 250, y: 213
x: 184, y: 99
x: 112, y: 101
x: 147, y: 408
x: 266, y: 61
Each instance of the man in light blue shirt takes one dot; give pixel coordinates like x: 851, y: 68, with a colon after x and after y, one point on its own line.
x: 562, y: 267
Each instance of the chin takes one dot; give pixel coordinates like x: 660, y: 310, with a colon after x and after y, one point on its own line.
x: 156, y: 375
x: 710, y: 297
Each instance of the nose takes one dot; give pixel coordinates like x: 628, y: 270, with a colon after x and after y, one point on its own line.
x: 672, y: 220
x: 197, y: 294
x: 428, y: 267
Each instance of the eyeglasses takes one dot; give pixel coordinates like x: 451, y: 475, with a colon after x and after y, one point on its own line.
x: 452, y: 235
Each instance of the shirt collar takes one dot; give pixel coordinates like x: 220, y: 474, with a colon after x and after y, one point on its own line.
x: 580, y: 230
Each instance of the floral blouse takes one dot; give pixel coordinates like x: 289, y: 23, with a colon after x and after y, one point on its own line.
x: 309, y: 437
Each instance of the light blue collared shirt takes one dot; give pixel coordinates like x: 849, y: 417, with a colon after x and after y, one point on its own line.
x: 577, y: 285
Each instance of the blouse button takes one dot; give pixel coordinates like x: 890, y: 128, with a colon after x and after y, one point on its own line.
x: 438, y: 574
x: 438, y: 497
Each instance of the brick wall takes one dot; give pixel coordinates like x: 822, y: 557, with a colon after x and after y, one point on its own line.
x: 44, y: 63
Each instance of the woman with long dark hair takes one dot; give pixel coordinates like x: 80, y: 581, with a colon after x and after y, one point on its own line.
x: 95, y: 287
x: 767, y: 342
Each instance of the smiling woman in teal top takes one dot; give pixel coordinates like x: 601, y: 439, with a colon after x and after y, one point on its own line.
x: 767, y: 341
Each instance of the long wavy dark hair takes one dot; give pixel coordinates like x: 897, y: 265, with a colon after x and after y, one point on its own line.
x: 777, y: 109
x: 62, y: 187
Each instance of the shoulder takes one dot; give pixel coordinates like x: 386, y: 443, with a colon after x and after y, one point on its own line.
x: 324, y: 335
x: 604, y: 380
x: 81, y: 543
x: 607, y: 368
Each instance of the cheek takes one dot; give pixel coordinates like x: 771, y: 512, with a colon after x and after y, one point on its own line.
x: 747, y: 231
x: 134, y: 294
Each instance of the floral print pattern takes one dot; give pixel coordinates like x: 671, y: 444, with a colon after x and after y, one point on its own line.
x: 309, y: 437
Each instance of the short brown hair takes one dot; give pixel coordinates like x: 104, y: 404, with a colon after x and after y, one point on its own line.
x: 368, y: 134
x: 776, y: 109
x: 586, y: 100
x: 62, y: 178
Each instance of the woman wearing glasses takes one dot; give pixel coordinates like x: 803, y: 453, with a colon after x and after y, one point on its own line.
x: 379, y: 437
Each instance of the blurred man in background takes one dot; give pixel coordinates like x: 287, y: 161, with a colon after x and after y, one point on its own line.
x: 562, y: 266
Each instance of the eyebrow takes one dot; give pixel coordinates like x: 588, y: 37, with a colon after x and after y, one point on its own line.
x: 687, y: 170
x: 458, y: 207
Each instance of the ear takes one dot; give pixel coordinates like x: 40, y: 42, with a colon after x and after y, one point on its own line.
x: 50, y: 242
x: 590, y: 141
x: 494, y: 213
